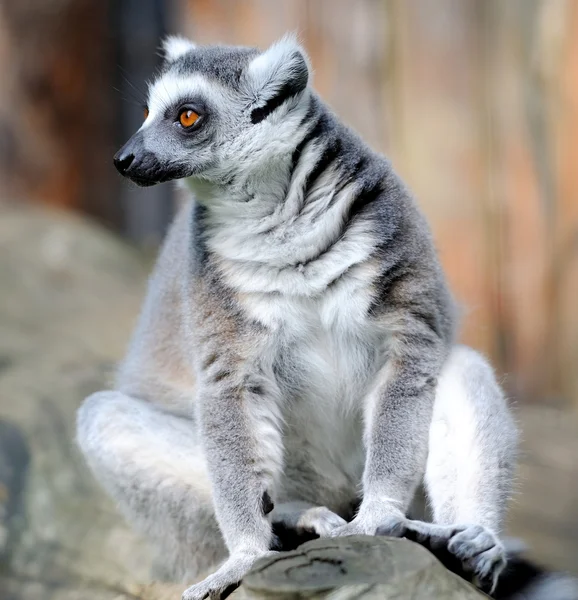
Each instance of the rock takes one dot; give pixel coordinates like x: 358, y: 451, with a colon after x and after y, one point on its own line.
x: 356, y: 567
x: 69, y: 295
x: 14, y: 461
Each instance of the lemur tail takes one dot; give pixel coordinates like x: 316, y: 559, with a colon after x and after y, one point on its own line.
x: 523, y: 579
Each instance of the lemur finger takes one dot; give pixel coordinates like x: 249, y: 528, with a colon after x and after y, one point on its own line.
x: 473, y: 541
x: 393, y: 528
x: 487, y: 568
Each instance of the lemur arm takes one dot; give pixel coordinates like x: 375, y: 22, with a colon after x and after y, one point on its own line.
x: 243, y: 450
x: 399, y: 405
x: 398, y: 417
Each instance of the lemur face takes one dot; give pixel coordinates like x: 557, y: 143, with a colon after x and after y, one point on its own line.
x: 215, y: 111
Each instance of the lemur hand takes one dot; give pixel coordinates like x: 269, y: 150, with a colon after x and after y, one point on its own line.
x: 371, y: 516
x: 472, y: 551
x: 222, y: 583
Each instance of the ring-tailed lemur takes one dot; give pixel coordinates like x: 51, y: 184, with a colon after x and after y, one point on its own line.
x: 294, y: 366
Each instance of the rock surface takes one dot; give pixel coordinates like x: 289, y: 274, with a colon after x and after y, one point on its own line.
x: 69, y: 294
x: 356, y: 567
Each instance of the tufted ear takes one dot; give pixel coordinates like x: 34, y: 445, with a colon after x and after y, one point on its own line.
x: 276, y: 75
x: 174, y: 46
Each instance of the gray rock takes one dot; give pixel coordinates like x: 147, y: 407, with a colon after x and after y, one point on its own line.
x: 69, y: 293
x: 356, y: 567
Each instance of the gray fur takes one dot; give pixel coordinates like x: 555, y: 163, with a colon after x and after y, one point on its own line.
x: 296, y: 343
x: 224, y: 64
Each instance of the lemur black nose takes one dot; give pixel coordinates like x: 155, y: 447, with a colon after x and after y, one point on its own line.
x: 138, y: 164
x: 123, y: 160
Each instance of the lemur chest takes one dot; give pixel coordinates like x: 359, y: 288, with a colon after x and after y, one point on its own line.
x: 324, y: 350
x: 324, y: 368
x: 331, y: 369
x: 325, y: 354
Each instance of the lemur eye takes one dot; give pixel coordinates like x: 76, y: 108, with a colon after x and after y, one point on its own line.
x: 146, y: 112
x: 188, y: 117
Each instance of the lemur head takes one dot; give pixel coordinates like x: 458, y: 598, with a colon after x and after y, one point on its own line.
x: 218, y: 110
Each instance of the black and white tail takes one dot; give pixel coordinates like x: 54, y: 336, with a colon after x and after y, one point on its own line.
x: 522, y: 579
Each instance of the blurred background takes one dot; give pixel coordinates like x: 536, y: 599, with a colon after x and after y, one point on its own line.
x: 476, y: 104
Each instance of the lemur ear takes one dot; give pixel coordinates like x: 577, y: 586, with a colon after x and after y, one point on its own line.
x: 276, y: 75
x: 174, y: 46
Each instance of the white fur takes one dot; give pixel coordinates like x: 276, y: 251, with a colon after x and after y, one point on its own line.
x: 463, y: 442
x: 268, y: 71
x: 170, y: 90
x: 175, y: 46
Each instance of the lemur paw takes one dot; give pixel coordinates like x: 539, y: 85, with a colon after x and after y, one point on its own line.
x: 481, y: 552
x: 225, y: 580
x: 395, y: 525
x: 320, y: 521
x: 471, y: 551
x: 295, y: 525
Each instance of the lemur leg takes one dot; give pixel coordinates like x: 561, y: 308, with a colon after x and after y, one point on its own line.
x: 469, y: 472
x: 472, y: 446
x: 151, y: 463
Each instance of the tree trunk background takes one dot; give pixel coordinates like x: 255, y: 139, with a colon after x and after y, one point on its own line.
x: 477, y: 105
x: 56, y: 112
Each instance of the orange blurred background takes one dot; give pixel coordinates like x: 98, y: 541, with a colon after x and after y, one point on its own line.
x: 475, y: 102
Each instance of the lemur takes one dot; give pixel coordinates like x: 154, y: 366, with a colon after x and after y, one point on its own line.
x: 294, y: 367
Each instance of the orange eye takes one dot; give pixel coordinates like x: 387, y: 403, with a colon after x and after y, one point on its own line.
x: 188, y: 117
x: 146, y: 112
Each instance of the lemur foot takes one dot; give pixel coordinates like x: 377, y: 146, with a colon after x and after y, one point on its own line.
x: 226, y: 579
x: 471, y: 551
x: 370, y: 517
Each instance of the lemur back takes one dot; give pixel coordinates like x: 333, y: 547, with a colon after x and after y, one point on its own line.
x: 294, y: 367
